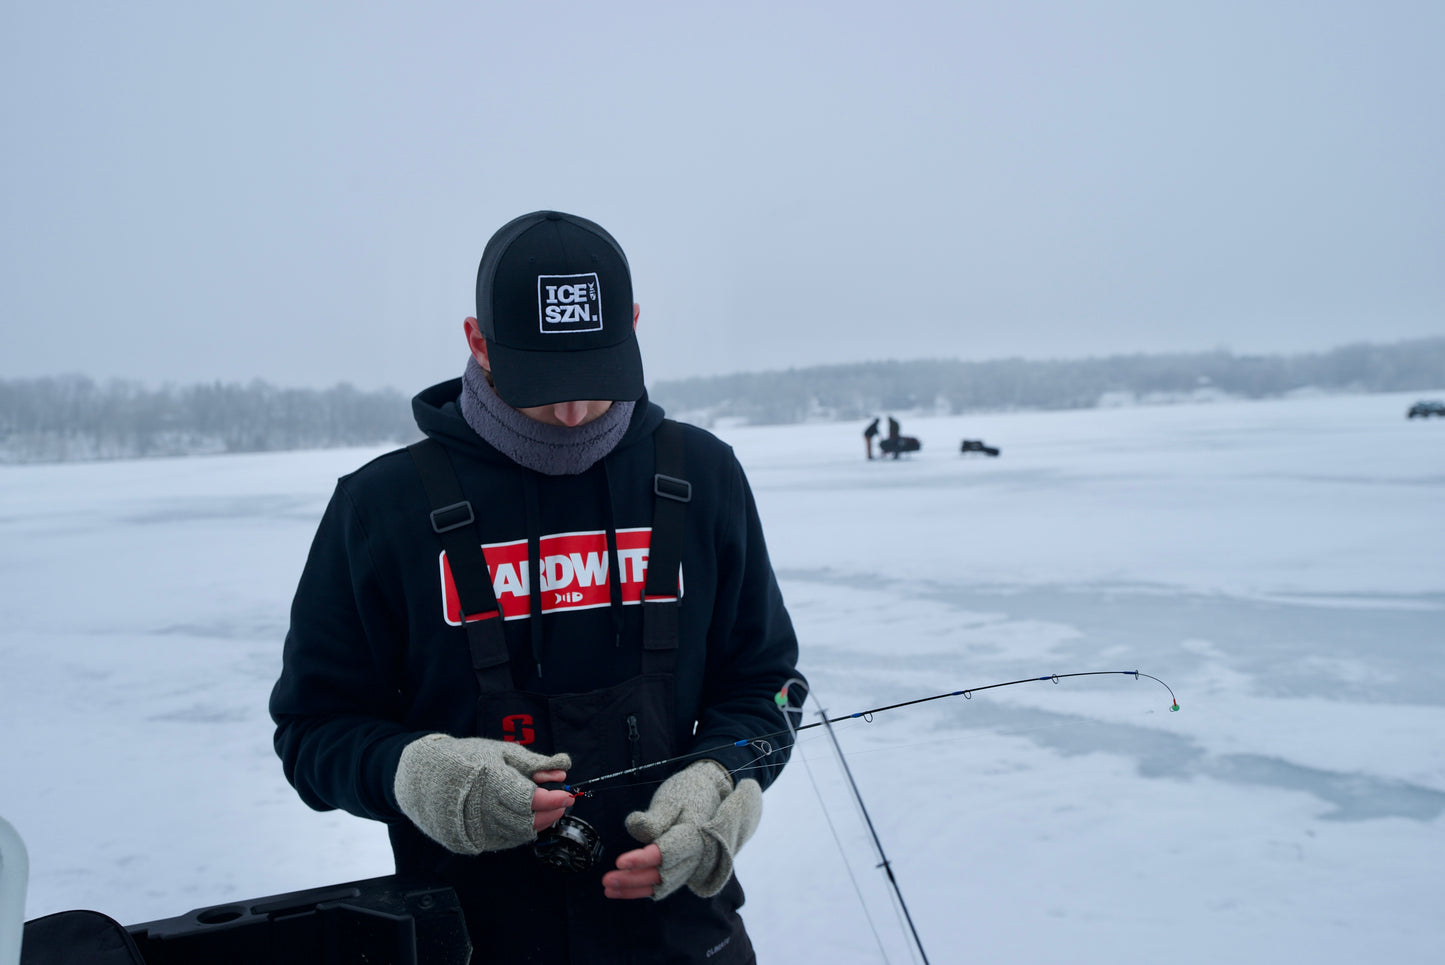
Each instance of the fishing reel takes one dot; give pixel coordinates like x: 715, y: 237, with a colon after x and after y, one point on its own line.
x: 569, y: 845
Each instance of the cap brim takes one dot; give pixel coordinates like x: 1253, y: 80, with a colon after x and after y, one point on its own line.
x: 529, y: 378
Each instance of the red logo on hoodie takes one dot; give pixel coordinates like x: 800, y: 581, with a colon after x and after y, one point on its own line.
x: 517, y: 729
x: 575, y: 573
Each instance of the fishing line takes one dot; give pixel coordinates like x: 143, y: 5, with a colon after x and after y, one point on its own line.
x: 838, y: 841
x: 883, y: 862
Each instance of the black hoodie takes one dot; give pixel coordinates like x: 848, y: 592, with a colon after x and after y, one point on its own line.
x: 374, y: 658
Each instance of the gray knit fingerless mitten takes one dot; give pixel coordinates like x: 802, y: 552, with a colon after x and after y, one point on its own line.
x: 698, y: 820
x: 471, y: 794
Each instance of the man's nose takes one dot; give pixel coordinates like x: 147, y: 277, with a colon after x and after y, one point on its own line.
x: 570, y: 414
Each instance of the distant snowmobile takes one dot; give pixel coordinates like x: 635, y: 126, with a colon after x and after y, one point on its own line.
x: 976, y: 445
x: 898, y: 444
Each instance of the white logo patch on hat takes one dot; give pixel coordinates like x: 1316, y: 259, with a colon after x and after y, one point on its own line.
x: 569, y: 303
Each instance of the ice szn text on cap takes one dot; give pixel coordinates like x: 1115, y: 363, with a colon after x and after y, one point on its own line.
x: 569, y: 303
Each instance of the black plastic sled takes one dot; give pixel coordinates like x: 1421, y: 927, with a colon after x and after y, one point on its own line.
x: 77, y: 938
x: 380, y: 921
x: 900, y: 444
x: 976, y: 445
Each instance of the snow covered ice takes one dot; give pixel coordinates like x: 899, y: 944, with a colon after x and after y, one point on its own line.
x: 1278, y: 563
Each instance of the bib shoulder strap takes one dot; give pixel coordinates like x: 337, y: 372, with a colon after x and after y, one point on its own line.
x: 454, y: 522
x: 662, y: 595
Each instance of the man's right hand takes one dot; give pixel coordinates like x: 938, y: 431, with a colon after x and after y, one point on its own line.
x: 472, y: 794
x: 549, y: 805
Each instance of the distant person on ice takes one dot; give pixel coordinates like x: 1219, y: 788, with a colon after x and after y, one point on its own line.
x: 868, y: 435
x: 896, y: 443
x: 892, y: 440
x: 469, y: 631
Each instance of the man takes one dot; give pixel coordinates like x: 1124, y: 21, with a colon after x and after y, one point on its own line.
x: 478, y: 622
x: 868, y: 435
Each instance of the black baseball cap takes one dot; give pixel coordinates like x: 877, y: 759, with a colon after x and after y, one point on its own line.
x: 554, y: 301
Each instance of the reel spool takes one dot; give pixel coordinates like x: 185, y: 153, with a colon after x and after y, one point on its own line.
x: 569, y: 845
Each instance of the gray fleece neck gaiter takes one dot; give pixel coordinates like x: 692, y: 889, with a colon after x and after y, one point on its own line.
x: 550, y: 450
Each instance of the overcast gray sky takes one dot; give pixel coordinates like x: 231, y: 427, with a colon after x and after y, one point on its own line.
x: 300, y: 191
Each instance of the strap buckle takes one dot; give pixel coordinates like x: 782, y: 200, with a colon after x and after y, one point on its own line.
x: 670, y: 487
x: 452, y: 517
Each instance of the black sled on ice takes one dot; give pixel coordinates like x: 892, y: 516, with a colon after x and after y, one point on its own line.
x: 900, y: 444
x: 976, y: 445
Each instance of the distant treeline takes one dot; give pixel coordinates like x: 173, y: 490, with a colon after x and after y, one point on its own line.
x: 844, y: 392
x: 73, y: 417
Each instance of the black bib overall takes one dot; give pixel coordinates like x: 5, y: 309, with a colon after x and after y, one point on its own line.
x: 519, y: 909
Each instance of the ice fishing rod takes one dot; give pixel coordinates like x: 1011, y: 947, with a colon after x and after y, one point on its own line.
x: 574, y: 845
x: 581, y: 788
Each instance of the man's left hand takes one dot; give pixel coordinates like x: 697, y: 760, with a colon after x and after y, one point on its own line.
x: 695, y: 824
x: 638, y: 872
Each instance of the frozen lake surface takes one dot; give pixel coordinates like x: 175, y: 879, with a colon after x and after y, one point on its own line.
x: 1280, y: 564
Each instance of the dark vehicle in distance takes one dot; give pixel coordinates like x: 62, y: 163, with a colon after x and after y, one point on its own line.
x: 1426, y: 408
x: 897, y: 444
